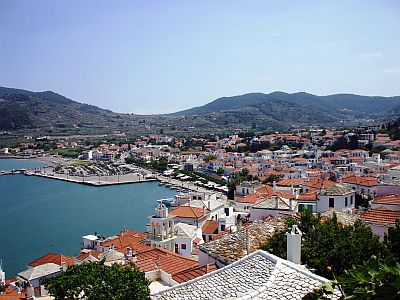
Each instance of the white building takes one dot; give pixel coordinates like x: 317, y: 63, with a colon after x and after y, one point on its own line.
x: 161, y: 229
x: 337, y: 196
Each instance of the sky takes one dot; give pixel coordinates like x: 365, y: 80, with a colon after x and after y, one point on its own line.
x: 163, y: 56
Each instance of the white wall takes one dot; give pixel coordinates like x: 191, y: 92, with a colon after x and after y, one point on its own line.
x: 339, y: 202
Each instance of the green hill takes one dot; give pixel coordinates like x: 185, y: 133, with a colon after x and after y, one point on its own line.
x: 298, y: 108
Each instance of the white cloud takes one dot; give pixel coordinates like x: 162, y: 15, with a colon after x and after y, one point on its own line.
x: 374, y: 55
x: 392, y: 71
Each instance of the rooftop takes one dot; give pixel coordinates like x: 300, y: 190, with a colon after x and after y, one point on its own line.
x: 189, y: 212
x: 169, y: 262
x: 380, y: 214
x: 389, y: 199
x: 40, y: 271
x: 259, y: 275
x: 194, y: 273
x: 54, y: 258
x: 337, y: 190
x: 231, y: 247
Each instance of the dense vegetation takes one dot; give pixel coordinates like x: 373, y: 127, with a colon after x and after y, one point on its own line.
x: 328, y: 247
x: 360, y: 266
x: 51, y: 113
x: 276, y: 109
x: 96, y: 281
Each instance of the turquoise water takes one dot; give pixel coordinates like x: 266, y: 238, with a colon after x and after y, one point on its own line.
x: 40, y: 215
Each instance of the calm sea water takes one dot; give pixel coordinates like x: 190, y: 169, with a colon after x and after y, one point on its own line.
x: 40, y: 215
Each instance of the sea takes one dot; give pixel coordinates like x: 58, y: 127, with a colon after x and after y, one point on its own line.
x: 41, y: 215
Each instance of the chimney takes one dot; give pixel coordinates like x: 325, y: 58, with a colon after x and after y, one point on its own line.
x: 290, y: 204
x: 294, y: 245
x: 63, y: 266
x: 296, y: 194
x: 276, y: 202
x: 30, y: 293
x: 247, y: 240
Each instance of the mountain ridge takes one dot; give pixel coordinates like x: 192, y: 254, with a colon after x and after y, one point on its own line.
x: 50, y: 112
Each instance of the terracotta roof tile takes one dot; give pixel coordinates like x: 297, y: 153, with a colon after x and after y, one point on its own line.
x: 381, y: 214
x: 210, y: 227
x: 54, y: 258
x: 169, y: 262
x: 189, y: 212
x: 193, y: 273
x: 393, y: 199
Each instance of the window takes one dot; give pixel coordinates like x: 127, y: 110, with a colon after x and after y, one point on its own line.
x: 222, y: 227
x: 331, y: 202
x: 345, y: 201
x: 176, y: 248
x: 351, y: 199
x: 183, y: 246
x: 226, y: 210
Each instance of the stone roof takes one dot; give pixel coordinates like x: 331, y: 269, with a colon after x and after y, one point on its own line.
x: 342, y: 217
x: 233, y: 246
x: 40, y: 271
x: 259, y: 275
x: 338, y: 190
x: 185, y: 230
x: 270, y: 203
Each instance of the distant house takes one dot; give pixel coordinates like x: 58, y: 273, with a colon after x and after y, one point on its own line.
x: 337, y: 196
x: 380, y: 219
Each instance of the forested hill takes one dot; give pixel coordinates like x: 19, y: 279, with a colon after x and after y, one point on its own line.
x: 26, y: 109
x: 298, y: 108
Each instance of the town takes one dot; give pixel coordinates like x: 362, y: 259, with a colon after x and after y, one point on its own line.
x: 232, y: 195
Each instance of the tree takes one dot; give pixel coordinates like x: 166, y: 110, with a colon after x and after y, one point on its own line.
x: 392, y: 240
x: 95, y: 280
x: 375, y: 279
x: 220, y: 171
x: 328, y: 247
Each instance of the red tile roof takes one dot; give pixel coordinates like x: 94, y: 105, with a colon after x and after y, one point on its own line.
x: 193, y: 273
x: 393, y: 199
x: 158, y: 258
x: 360, y: 180
x: 54, y: 258
x: 83, y: 256
x: 125, y: 239
x: 189, y: 212
x: 210, y: 227
x: 289, y: 182
x: 319, y: 183
x: 310, y: 195
x: 381, y: 214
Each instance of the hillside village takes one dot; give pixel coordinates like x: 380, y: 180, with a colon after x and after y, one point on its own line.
x: 239, y: 191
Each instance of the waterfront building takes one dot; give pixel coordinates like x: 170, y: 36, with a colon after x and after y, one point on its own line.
x: 161, y: 228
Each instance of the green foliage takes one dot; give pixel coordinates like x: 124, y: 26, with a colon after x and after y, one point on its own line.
x: 68, y: 152
x: 328, y: 247
x: 375, y: 279
x: 392, y: 240
x: 210, y: 157
x: 220, y: 171
x: 98, y: 281
x: 159, y: 165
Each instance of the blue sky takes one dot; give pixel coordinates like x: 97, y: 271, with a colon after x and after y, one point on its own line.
x: 162, y: 56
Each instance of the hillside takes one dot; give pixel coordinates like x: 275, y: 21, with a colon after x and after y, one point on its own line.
x: 280, y: 108
x: 21, y: 109
x: 51, y: 113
